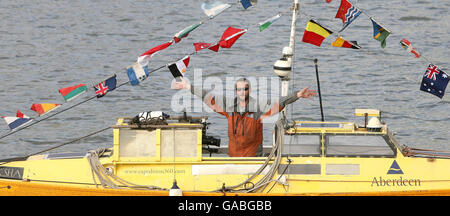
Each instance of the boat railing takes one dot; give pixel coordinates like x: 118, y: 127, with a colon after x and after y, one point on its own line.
x: 427, y: 153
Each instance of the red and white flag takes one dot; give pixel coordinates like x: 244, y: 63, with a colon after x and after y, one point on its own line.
x: 407, y: 45
x: 230, y: 35
x: 200, y: 46
x: 145, y: 57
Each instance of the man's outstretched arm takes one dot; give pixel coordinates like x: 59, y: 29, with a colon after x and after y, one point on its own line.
x: 284, y: 101
x: 207, y: 98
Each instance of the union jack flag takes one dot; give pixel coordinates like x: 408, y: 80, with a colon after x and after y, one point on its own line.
x: 105, y: 86
x: 431, y: 72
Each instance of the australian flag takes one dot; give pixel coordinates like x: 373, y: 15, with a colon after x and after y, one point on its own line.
x: 106, y: 86
x: 434, y: 81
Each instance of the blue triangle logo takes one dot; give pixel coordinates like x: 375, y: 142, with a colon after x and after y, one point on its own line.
x: 395, y: 168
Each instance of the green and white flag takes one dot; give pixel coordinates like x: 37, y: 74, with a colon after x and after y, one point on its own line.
x: 184, y: 33
x: 266, y: 23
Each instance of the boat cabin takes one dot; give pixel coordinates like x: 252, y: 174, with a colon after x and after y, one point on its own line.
x: 185, y: 139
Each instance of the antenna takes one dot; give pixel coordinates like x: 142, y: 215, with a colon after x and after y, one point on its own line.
x: 318, y: 87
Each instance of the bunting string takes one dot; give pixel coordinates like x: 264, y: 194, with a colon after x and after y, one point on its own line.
x: 138, y: 71
x: 315, y: 33
x: 213, y: 10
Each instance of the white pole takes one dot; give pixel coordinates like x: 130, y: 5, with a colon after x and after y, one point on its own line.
x: 285, y: 80
x: 296, y: 8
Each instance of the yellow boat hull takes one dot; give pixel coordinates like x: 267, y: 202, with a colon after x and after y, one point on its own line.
x: 145, y: 161
x: 18, y: 188
x: 325, y: 176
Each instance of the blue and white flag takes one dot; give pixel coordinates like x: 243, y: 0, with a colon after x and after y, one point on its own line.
x: 213, y: 8
x: 434, y: 81
x: 19, y: 120
x: 136, y: 73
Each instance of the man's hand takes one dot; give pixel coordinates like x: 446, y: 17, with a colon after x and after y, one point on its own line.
x: 180, y: 85
x: 306, y: 93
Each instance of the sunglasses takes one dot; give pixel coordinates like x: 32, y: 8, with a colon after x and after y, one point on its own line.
x: 241, y: 89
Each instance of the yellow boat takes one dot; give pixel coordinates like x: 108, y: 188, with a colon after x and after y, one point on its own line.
x: 307, y: 158
x: 175, y: 156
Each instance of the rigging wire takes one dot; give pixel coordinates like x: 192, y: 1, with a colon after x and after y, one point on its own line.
x: 4, y: 161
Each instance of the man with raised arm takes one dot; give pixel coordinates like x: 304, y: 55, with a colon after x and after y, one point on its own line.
x: 244, y: 115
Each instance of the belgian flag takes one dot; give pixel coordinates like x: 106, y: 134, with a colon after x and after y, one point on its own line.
x: 315, y: 33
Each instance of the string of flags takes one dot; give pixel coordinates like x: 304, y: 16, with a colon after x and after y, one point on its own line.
x: 347, y: 13
x: 138, y: 73
x: 434, y: 80
x: 316, y: 32
x: 139, y: 70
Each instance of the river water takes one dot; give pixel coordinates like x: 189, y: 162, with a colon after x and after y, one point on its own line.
x: 47, y: 45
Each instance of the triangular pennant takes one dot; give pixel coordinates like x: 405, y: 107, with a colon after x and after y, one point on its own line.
x: 19, y: 120
x: 341, y: 42
x: 42, y: 109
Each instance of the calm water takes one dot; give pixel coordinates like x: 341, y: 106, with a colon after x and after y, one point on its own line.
x: 47, y: 45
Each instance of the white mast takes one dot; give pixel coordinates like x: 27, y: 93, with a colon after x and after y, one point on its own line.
x: 290, y: 52
x: 283, y: 66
